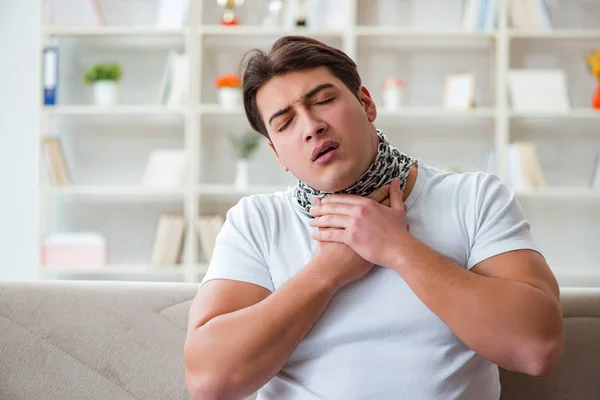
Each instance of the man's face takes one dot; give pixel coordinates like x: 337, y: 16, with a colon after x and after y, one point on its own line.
x: 319, y: 130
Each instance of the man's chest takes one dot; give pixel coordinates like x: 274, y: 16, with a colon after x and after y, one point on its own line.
x: 292, y: 247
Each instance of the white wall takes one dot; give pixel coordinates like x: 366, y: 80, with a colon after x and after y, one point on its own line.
x: 18, y: 121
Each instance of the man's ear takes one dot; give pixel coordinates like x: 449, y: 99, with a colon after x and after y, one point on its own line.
x: 281, y: 164
x: 367, y: 102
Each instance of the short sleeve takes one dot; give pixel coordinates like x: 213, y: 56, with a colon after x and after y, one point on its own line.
x: 240, y: 251
x: 500, y: 223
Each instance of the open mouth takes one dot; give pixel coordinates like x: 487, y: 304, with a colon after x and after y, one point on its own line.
x: 324, y: 149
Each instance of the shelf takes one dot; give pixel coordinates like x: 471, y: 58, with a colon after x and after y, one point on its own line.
x: 112, y: 31
x: 560, y: 192
x: 575, y: 113
x: 390, y: 31
x: 115, y: 269
x: 417, y: 112
x: 559, y: 34
x: 216, y: 109
x: 436, y: 112
x: 133, y: 192
x: 232, y: 191
x: 125, y: 269
x: 113, y: 110
x: 249, y: 30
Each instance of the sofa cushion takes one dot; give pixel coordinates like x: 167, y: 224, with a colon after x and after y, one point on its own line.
x: 100, y: 340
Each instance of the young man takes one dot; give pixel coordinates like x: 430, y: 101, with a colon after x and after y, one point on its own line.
x: 377, y: 276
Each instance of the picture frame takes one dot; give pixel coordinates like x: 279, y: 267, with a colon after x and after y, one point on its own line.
x: 459, y: 91
x: 595, y: 181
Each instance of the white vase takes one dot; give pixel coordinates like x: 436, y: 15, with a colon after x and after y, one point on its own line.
x: 106, y: 93
x: 241, y: 174
x: 230, y: 97
x: 392, y: 98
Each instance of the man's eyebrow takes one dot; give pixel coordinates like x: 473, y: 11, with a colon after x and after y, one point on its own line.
x: 311, y: 93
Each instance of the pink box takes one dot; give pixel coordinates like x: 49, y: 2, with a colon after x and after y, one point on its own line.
x: 74, y: 250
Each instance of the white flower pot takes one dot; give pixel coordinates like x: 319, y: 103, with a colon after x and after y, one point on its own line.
x: 392, y: 98
x: 230, y: 97
x: 106, y: 93
x: 241, y: 174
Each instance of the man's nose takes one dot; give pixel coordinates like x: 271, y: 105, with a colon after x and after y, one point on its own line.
x: 314, y: 128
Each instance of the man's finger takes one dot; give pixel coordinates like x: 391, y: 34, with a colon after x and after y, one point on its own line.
x: 396, y: 195
x: 332, y: 209
x: 329, y: 235
x: 329, y: 221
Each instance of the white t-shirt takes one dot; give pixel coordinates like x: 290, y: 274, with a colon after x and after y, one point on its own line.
x: 376, y: 339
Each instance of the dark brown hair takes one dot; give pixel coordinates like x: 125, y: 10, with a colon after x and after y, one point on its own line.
x: 291, y: 53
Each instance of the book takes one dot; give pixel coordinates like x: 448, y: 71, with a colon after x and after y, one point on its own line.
x: 174, y: 88
x: 50, y: 75
x: 171, y: 14
x: 595, y: 181
x: 480, y: 15
x: 56, y: 162
x: 524, y: 168
x: 531, y: 15
x: 175, y: 237
x: 160, y: 240
x: 208, y: 227
x: 470, y: 15
x: 168, y: 240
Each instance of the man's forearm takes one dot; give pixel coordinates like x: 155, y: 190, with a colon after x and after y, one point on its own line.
x: 510, y: 323
x: 242, y: 350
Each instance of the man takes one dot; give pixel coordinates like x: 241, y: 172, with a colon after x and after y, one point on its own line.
x: 377, y: 276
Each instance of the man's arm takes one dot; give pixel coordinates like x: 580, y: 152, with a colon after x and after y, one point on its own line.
x: 240, y: 334
x: 234, y: 347
x: 506, y: 308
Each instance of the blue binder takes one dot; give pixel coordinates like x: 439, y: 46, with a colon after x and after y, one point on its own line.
x: 50, y: 75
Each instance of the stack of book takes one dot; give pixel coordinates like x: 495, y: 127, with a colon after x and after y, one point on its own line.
x: 529, y: 15
x: 55, y: 161
x: 208, y: 227
x: 524, y: 171
x: 168, y: 240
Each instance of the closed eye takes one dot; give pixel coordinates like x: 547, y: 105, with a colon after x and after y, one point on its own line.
x: 325, y: 101
x: 285, y: 125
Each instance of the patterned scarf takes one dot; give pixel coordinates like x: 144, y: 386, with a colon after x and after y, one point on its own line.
x: 388, y: 164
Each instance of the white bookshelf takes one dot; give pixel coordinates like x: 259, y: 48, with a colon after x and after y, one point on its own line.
x: 561, y: 193
x: 381, y: 47
x: 558, y: 34
x: 141, y: 110
x: 121, y: 31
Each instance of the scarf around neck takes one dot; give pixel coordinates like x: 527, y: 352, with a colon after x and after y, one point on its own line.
x: 388, y: 165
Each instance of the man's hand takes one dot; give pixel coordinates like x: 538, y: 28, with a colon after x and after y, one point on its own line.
x: 340, y: 264
x: 371, y: 229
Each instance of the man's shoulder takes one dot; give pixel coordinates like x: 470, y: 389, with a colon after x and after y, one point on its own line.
x: 461, y: 186
x: 264, y: 206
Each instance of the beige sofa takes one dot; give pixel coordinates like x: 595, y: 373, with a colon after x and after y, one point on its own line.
x: 118, y: 340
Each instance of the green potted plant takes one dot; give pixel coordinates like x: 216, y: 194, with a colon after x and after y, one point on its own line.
x: 104, y: 78
x: 245, y: 146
